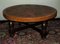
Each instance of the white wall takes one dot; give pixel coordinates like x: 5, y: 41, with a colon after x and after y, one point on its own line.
x: 7, y: 3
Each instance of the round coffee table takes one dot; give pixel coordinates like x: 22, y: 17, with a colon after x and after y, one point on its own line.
x: 30, y: 13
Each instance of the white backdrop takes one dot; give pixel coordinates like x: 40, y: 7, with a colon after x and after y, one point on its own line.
x: 7, y: 3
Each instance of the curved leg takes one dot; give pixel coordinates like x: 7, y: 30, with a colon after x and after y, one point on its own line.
x: 11, y: 28
x: 44, y: 30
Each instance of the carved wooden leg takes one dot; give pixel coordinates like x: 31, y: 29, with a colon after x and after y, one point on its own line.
x: 44, y: 30
x: 11, y: 28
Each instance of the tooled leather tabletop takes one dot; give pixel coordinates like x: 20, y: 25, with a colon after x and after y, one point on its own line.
x: 29, y: 13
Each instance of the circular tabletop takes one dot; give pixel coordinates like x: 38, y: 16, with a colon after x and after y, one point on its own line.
x: 29, y: 13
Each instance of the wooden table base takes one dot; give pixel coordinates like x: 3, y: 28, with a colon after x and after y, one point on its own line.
x: 29, y: 13
x: 43, y: 31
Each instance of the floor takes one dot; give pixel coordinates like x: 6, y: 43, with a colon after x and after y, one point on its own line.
x: 30, y: 36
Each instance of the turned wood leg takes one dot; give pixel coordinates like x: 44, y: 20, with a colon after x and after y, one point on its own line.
x: 44, y: 30
x: 11, y: 29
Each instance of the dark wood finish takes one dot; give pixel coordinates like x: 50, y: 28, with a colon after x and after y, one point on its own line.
x: 29, y: 13
x: 11, y: 28
x: 38, y: 14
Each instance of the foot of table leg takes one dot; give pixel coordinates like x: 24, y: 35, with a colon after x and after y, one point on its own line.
x: 44, y: 30
x: 43, y: 34
x: 11, y: 27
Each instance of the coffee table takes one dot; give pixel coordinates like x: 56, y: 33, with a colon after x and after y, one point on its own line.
x: 29, y: 13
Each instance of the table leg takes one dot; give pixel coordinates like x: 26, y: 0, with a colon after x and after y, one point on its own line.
x: 44, y: 30
x: 11, y: 28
